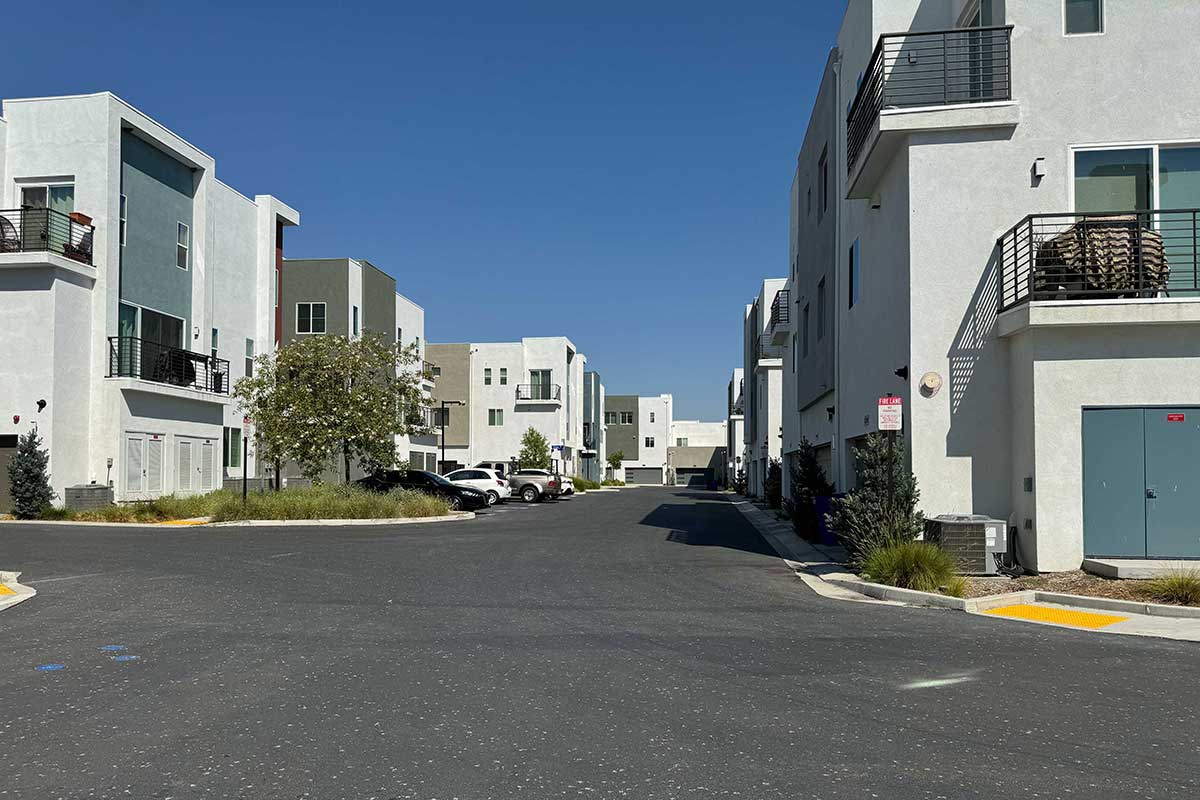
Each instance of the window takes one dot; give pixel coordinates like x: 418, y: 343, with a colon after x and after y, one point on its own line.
x: 249, y: 358
x: 183, y: 240
x: 436, y: 370
x: 610, y: 418
x: 124, y: 218
x: 214, y: 343
x: 793, y: 349
x: 649, y: 441
x: 809, y: 201
x: 504, y: 376
x: 652, y: 416
x: 805, y: 331
x: 232, y: 450
x: 400, y: 335
x: 626, y: 417
x: 487, y: 376
x: 823, y: 183
x: 681, y: 442
x: 820, y: 310
x: 854, y: 277
x: 1083, y: 16
x: 1114, y: 180
x: 495, y: 416
x: 354, y: 320
x: 310, y: 317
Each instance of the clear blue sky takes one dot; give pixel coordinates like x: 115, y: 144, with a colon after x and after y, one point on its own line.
x: 616, y: 172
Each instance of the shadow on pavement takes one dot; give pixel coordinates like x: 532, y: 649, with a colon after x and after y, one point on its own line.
x: 700, y: 525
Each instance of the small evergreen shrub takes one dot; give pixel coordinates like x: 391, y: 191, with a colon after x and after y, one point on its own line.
x: 28, y: 478
x: 1181, y: 587
x: 913, y: 565
x: 773, y: 485
x: 863, y: 520
x: 808, y: 483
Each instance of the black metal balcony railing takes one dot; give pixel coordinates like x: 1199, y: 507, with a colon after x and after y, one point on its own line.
x: 150, y: 361
x: 780, y: 308
x: 768, y: 350
x: 26, y: 230
x: 539, y: 391
x: 1094, y: 256
x: 930, y: 68
x: 427, y: 369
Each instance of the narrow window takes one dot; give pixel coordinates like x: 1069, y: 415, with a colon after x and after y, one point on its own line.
x: 233, y: 448
x: 249, y: 358
x: 809, y: 212
x: 805, y: 330
x: 354, y: 320
x: 504, y: 376
x: 681, y: 442
x: 626, y: 417
x: 823, y: 183
x: 495, y: 417
x: 399, y: 335
x: 436, y: 371
x: 487, y: 376
x: 854, y: 277
x: 652, y: 416
x: 183, y: 240
x: 124, y: 218
x: 649, y: 441
x: 1083, y: 16
x: 820, y: 310
x: 214, y: 343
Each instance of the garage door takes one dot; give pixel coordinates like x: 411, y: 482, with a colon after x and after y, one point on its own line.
x: 697, y: 477
x: 8, y: 448
x: 644, y: 475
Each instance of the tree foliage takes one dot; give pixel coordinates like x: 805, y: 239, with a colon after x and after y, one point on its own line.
x: 808, y: 483
x: 326, y: 397
x: 773, y: 484
x: 863, y: 520
x: 535, y: 450
x: 614, y: 460
x: 29, y: 478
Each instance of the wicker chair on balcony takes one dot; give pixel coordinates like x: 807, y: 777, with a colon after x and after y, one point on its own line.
x: 1102, y: 257
x: 10, y: 240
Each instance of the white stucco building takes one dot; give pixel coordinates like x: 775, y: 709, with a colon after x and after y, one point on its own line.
x: 763, y: 386
x: 1002, y: 264
x: 735, y: 424
x: 495, y: 391
x: 640, y: 429
x: 124, y: 329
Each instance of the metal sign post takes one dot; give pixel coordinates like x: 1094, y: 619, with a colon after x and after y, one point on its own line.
x: 245, y: 454
x: 891, y: 419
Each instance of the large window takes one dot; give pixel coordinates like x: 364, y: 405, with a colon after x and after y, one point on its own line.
x: 1083, y: 16
x: 310, y: 317
x: 610, y: 418
x: 804, y: 331
x: 232, y: 449
x: 1114, y: 180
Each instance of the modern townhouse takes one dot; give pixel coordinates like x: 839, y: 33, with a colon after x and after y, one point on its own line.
x: 696, y: 455
x: 594, y: 452
x: 640, y: 429
x: 1016, y: 259
x: 488, y: 394
x: 351, y: 297
x: 735, y: 444
x: 764, y: 332
x: 135, y: 290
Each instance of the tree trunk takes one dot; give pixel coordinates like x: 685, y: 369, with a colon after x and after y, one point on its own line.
x: 346, y: 460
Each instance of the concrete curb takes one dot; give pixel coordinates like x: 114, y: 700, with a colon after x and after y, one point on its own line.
x: 324, y: 523
x: 605, y: 489
x: 21, y: 593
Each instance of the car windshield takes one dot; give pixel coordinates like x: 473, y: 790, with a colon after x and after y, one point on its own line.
x: 438, y: 479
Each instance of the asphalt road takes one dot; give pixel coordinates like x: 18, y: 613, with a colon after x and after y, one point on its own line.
x: 636, y: 645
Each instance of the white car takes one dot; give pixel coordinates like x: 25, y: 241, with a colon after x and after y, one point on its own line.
x: 487, y: 481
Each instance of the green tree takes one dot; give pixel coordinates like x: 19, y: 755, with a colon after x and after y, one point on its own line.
x: 614, y: 461
x: 773, y: 485
x: 323, y: 397
x: 28, y: 478
x: 864, y: 521
x: 535, y: 451
x: 808, y: 483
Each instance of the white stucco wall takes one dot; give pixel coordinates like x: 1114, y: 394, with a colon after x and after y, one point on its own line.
x: 698, y: 433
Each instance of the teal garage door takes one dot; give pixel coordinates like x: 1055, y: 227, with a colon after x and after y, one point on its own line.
x: 1141, y: 482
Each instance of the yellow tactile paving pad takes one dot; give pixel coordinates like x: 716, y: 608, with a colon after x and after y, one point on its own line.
x: 5, y: 590
x: 1057, y: 616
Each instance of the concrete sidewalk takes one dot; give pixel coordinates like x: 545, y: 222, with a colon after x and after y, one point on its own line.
x: 824, y: 570
x: 13, y: 592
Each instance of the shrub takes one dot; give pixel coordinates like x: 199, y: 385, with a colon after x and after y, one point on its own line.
x: 862, y: 519
x: 913, y: 565
x: 583, y: 484
x: 808, y: 483
x: 1181, y: 587
x: 611, y: 482
x: 28, y: 480
x: 535, y: 450
x: 773, y: 485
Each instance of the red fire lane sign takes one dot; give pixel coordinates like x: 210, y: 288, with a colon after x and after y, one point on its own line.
x: 891, y: 414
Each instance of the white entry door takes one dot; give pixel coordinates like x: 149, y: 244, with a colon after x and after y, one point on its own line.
x: 195, y: 466
x: 143, y: 465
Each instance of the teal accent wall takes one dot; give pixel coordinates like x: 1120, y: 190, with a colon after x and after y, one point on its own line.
x: 160, y: 193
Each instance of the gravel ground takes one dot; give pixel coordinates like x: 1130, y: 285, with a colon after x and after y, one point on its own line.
x: 1076, y: 582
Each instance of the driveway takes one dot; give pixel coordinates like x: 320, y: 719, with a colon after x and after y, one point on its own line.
x: 645, y: 644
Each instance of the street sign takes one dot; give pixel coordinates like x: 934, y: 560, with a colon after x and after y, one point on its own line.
x: 556, y: 447
x: 891, y: 414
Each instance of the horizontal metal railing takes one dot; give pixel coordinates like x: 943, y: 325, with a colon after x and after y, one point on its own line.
x: 539, y: 391
x: 129, y: 357
x: 427, y: 369
x: 780, y: 308
x: 768, y: 350
x: 1092, y: 256
x: 27, y: 230
x: 929, y: 68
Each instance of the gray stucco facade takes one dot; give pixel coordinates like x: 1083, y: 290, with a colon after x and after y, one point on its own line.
x: 159, y: 192
x: 453, y: 383
x: 319, y: 280
x: 623, y: 438
x: 378, y: 301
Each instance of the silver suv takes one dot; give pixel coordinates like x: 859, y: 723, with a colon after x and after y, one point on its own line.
x: 532, y: 485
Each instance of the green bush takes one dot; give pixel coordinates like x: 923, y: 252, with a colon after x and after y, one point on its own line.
x: 913, y: 565
x: 612, y: 482
x: 28, y: 480
x: 773, y: 485
x: 583, y: 484
x: 1181, y: 587
x: 863, y: 520
x: 808, y: 483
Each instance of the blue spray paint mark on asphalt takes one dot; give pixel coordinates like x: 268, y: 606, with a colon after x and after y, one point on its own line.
x: 126, y: 658
x: 112, y: 648
x: 49, y: 667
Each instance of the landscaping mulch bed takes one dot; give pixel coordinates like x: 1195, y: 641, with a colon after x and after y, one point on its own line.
x: 1076, y: 582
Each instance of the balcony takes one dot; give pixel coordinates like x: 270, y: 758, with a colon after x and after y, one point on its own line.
x: 1122, y: 255
x: 42, y: 230
x: 934, y: 80
x: 144, y: 360
x: 769, y: 354
x: 539, y: 393
x: 780, y: 317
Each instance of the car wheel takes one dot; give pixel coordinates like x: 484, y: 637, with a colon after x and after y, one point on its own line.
x: 455, y: 502
x: 493, y: 498
x: 529, y: 494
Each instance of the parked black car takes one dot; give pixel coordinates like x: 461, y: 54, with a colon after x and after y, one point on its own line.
x: 460, y: 498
